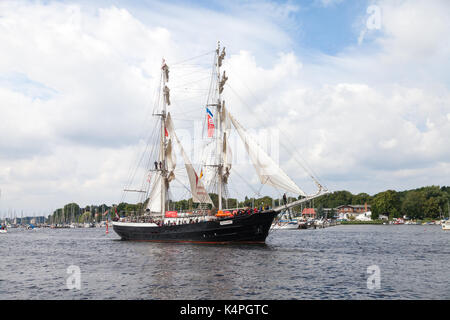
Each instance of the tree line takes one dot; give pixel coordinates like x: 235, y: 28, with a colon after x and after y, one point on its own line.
x: 425, y: 202
x: 420, y: 203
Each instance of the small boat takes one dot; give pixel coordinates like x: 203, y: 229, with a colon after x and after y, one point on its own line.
x: 3, y: 231
x: 446, y: 225
x: 285, y: 224
x: 321, y: 223
x: 303, y: 224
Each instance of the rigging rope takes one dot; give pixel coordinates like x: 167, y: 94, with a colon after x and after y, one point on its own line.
x: 196, y: 57
x: 304, y: 165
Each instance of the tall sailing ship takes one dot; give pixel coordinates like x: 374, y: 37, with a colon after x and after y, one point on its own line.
x: 210, y: 222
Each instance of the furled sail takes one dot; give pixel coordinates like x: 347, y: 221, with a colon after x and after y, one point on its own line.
x: 222, y: 82
x: 226, y: 150
x: 268, y: 171
x: 170, y: 156
x: 154, y: 203
x: 167, y: 95
x: 199, y: 193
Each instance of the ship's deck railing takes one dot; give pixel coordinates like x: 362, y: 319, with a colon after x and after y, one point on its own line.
x: 193, y: 217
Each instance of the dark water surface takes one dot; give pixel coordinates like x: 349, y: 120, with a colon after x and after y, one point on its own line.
x: 331, y: 263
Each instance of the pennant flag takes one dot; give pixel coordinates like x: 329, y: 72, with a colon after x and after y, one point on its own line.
x: 210, y: 120
x: 167, y: 133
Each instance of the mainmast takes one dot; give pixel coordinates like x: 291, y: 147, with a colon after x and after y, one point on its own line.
x: 162, y: 163
x: 219, y: 136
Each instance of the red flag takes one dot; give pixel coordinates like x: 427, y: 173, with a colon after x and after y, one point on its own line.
x: 210, y: 127
x: 210, y: 120
x: 167, y: 133
x: 171, y: 214
x: 116, y: 212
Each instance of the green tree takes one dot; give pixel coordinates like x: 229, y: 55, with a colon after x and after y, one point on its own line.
x: 320, y: 211
x: 86, y: 217
x: 121, y: 207
x: 413, y: 203
x: 375, y: 215
x: 431, y: 208
x: 71, y: 212
x: 387, y: 202
x: 361, y: 198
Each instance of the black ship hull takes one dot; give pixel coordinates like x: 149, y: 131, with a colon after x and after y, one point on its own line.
x: 252, y: 228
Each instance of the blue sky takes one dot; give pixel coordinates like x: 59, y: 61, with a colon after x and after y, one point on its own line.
x: 325, y: 26
x: 312, y: 24
x: 328, y: 29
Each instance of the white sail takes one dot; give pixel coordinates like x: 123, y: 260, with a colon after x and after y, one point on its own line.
x: 268, y: 171
x: 209, y: 171
x: 154, y: 202
x: 199, y: 193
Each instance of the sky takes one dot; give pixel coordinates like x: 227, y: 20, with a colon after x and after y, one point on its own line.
x: 358, y: 91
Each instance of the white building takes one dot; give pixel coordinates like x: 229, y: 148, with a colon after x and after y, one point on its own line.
x: 365, y: 216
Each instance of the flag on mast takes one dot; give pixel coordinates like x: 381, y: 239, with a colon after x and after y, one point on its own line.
x: 210, y: 119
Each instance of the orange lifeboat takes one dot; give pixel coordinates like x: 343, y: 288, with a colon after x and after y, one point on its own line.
x: 222, y: 214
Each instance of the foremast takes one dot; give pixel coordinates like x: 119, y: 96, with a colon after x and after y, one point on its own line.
x: 163, y: 142
x: 167, y: 159
x: 220, y: 135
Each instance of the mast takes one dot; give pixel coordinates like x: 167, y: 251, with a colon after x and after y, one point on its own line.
x: 219, y: 130
x: 166, y: 101
x: 219, y: 135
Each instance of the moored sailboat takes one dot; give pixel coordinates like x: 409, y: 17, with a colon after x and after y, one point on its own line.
x: 219, y: 224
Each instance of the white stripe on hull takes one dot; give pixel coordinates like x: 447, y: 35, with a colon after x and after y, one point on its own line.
x: 135, y: 224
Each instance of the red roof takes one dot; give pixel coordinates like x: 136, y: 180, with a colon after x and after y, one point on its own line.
x: 309, y: 211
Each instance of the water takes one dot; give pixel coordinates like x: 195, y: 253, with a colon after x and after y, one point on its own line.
x: 330, y: 263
